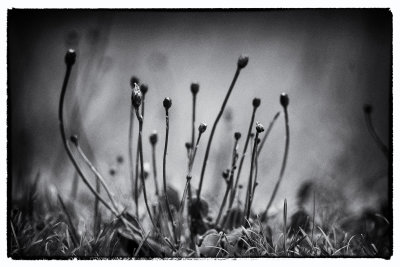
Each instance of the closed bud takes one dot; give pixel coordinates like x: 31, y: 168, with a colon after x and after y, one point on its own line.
x: 368, y: 108
x: 144, y: 88
x: 256, y: 102
x: 136, y: 97
x: 259, y: 127
x: 284, y: 100
x: 242, y: 61
x: 167, y: 103
x: 74, y: 139
x: 237, y: 135
x: 153, y: 138
x: 202, y: 127
x: 134, y: 80
x: 70, y: 57
x: 194, y: 87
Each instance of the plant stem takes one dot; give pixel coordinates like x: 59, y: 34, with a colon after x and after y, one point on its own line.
x: 66, y: 145
x: 99, y: 177
x: 164, y: 176
x: 130, y: 154
x: 153, y: 156
x: 233, y: 192
x: 375, y: 136
x: 282, y: 171
x: 203, y: 169
x: 140, y: 119
x: 249, y: 194
x: 271, y: 124
x: 193, y: 119
x: 284, y: 226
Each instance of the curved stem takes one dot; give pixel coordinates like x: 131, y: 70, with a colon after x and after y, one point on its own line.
x: 153, y: 156
x: 140, y: 119
x: 271, y: 124
x: 375, y: 136
x: 203, y: 169
x: 164, y: 175
x: 287, y: 139
x: 67, y: 147
x: 130, y: 155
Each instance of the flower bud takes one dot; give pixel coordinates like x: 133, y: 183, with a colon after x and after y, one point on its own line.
x: 70, y: 57
x: 188, y: 145
x: 202, y: 127
x: 256, y: 102
x: 74, y: 139
x: 242, y: 61
x: 167, y: 103
x: 136, y: 97
x: 144, y: 88
x: 153, y: 138
x: 225, y: 174
x: 237, y: 135
x: 259, y: 127
x: 194, y: 87
x: 284, y: 100
x: 368, y: 108
x: 134, y: 80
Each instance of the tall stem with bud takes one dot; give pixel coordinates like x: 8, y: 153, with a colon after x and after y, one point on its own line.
x: 284, y: 99
x: 242, y: 63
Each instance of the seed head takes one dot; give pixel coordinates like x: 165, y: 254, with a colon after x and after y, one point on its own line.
x: 70, y: 57
x: 225, y: 174
x: 284, y: 100
x: 144, y: 88
x: 242, y: 61
x: 136, y: 96
x: 194, y: 87
x: 256, y: 102
x: 153, y: 138
x: 120, y: 159
x: 74, y: 139
x: 202, y: 127
x: 188, y: 145
x: 237, y: 135
x: 259, y: 127
x: 167, y: 103
x: 134, y: 80
x: 368, y: 108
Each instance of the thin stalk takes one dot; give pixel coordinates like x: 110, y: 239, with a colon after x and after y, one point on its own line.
x: 99, y: 177
x: 232, y: 197
x: 187, y: 186
x: 97, y: 214
x: 193, y: 118
x: 285, y: 155
x: 249, y: 194
x: 242, y: 62
x: 130, y: 155
x: 153, y: 156
x: 373, y: 133
x: 230, y: 182
x: 284, y: 226
x: 271, y: 124
x: 140, y: 119
x: 164, y: 175
x: 313, y: 220
x: 255, y: 179
x: 75, y: 186
x: 63, y: 135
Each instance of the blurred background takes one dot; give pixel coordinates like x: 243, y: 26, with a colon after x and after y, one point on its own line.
x: 330, y: 62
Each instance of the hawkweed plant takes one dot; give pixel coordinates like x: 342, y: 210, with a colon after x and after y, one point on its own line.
x: 284, y: 100
x: 167, y: 103
x: 241, y: 64
x: 133, y: 82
